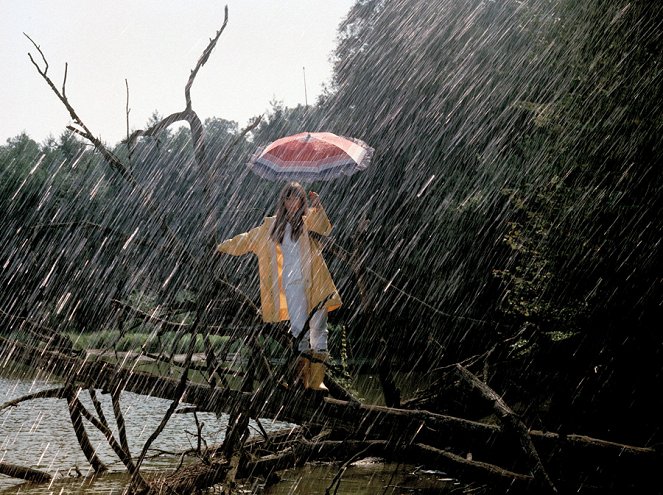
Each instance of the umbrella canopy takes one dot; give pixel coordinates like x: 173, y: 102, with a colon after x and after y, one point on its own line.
x: 310, y: 156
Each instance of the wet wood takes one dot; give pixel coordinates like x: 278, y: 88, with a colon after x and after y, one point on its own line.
x: 75, y: 406
x: 390, y: 392
x: 297, y: 450
x: 55, y: 393
x: 511, y: 424
x: 24, y: 473
x: 449, y: 438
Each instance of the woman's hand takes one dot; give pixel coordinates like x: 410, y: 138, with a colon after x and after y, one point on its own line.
x: 314, y: 198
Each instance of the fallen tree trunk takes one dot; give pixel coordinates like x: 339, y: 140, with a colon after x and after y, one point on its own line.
x: 298, y: 450
x: 420, y: 454
x: 24, y: 473
x: 511, y: 422
x: 450, y: 439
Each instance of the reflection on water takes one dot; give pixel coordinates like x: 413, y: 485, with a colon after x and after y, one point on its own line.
x: 367, y: 477
x: 108, y: 484
x: 38, y: 433
x: 363, y: 478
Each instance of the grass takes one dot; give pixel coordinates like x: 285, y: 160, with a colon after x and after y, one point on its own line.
x: 137, y: 340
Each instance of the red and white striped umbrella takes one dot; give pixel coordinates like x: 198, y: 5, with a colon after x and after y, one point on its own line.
x: 310, y: 157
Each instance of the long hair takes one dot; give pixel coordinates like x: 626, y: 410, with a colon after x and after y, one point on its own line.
x: 297, y: 221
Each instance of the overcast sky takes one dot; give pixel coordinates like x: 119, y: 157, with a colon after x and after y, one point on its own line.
x: 154, y: 44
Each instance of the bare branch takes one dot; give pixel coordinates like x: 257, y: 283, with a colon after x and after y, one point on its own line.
x: 203, y: 59
x: 119, y: 421
x: 78, y: 131
x: 110, y: 438
x: 179, y: 393
x: 40, y: 53
x: 110, y: 157
x: 97, y: 404
x: 81, y: 434
x: 156, y: 128
x: 425, y: 436
x: 511, y: 423
x: 53, y: 393
x: 64, y: 79
x: 24, y: 473
x: 188, y: 114
x: 199, y: 436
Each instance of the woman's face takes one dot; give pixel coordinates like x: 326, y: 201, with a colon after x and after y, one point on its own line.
x: 293, y: 203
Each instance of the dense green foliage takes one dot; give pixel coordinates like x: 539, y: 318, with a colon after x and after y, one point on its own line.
x: 512, y: 203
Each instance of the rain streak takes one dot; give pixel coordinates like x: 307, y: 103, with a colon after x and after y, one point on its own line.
x: 442, y: 276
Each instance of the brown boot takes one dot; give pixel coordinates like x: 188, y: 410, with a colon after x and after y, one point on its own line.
x: 302, y: 372
x: 317, y: 371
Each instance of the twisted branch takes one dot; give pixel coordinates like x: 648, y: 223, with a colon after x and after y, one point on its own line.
x: 203, y: 59
x: 110, y: 157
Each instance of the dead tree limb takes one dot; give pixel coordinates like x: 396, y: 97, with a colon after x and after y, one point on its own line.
x: 110, y: 157
x: 24, y: 473
x: 346, y: 416
x: 355, y: 420
x: 179, y: 391
x: 204, y: 58
x: 97, y: 405
x: 195, y: 125
x: 124, y: 456
x: 116, y: 164
x: 513, y: 424
x: 302, y: 450
x: 119, y: 421
x: 127, y: 109
x: 53, y: 393
x: 75, y: 406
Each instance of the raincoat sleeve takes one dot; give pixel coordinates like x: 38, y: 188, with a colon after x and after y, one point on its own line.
x: 317, y: 221
x: 240, y: 244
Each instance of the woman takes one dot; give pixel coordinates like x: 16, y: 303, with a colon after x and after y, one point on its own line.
x: 294, y: 279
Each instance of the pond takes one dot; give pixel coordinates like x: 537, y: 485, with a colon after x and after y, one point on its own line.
x: 39, y: 434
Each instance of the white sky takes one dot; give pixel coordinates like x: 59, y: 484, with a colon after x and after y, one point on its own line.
x: 155, y: 44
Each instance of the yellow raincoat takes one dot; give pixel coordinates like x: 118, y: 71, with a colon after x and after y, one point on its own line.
x: 317, y: 280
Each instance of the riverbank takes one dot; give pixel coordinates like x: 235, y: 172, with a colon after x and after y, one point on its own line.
x: 38, y: 434
x: 366, y: 477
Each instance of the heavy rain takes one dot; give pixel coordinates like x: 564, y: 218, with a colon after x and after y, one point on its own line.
x: 497, y: 257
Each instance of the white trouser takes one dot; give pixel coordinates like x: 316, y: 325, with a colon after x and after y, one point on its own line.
x: 316, y: 337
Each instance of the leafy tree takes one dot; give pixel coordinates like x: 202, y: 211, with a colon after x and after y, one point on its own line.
x: 516, y: 140
x: 22, y: 173
x: 588, y: 236
x: 435, y: 90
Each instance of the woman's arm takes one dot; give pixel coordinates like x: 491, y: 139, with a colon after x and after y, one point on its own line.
x: 240, y: 244
x: 316, y: 220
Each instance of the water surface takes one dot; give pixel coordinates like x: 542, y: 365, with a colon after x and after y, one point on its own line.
x: 38, y: 434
